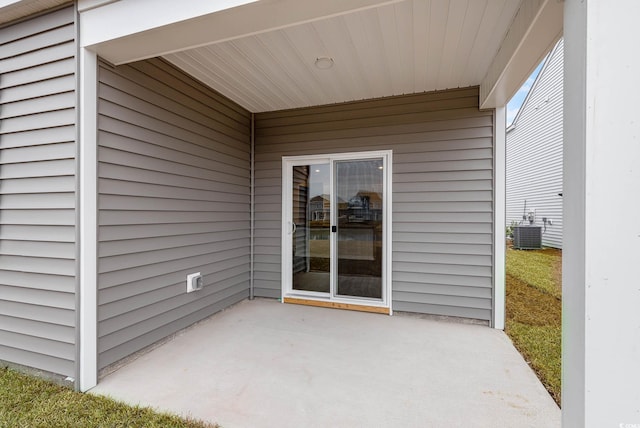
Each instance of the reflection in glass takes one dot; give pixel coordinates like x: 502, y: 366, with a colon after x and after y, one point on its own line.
x: 359, y: 196
x: 311, y: 228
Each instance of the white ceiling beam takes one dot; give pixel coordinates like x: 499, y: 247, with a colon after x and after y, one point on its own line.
x: 534, y: 31
x: 131, y: 30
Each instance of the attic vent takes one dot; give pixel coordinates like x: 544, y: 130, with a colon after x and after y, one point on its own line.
x: 527, y: 237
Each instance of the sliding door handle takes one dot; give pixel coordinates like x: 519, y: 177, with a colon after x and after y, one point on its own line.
x: 334, y: 229
x: 293, y: 227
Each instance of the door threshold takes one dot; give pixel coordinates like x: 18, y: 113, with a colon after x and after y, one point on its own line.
x: 336, y: 305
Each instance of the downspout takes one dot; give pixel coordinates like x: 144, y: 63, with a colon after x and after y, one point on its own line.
x: 253, y: 201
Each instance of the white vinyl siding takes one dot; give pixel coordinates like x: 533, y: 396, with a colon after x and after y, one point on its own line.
x: 37, y: 192
x: 174, y: 199
x: 442, y: 191
x: 534, y: 152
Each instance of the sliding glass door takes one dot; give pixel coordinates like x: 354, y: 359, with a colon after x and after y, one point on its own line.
x: 334, y: 227
x: 358, y: 200
x: 311, y: 228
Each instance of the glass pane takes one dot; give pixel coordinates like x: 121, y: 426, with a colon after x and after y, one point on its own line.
x: 312, y: 225
x: 359, y: 187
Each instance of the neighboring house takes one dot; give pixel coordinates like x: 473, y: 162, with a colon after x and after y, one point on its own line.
x: 320, y: 208
x: 140, y: 144
x: 534, y: 153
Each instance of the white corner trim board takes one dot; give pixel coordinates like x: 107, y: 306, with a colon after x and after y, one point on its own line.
x: 88, y: 363
x: 499, y: 218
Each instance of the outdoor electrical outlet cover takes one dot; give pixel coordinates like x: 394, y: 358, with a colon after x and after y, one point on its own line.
x: 194, y: 282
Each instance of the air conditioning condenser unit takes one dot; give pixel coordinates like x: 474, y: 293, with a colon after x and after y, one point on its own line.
x: 527, y: 237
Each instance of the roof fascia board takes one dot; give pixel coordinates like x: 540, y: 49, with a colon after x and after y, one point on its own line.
x: 136, y: 16
x: 536, y: 28
x: 175, y: 26
x: 84, y: 5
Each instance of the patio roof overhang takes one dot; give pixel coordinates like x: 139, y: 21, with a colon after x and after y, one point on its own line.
x: 261, y: 54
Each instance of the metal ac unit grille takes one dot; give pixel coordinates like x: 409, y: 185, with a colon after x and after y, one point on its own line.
x: 527, y: 237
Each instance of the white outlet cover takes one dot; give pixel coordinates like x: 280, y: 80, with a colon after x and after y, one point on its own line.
x: 192, y: 282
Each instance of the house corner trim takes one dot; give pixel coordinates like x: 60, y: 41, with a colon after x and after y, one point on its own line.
x: 87, y: 188
x: 499, y: 217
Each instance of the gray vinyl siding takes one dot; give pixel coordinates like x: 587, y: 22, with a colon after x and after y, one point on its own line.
x: 442, y: 191
x: 534, y: 152
x: 174, y: 199
x: 37, y: 192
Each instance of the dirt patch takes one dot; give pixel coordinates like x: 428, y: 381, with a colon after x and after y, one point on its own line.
x: 556, y: 254
x: 557, y: 271
x: 529, y: 305
x: 541, y: 269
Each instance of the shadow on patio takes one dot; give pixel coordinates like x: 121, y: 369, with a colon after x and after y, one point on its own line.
x: 264, y: 364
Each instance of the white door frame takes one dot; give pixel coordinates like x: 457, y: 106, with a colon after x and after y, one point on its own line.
x: 288, y: 162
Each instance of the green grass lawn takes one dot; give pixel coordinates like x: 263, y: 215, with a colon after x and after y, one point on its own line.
x: 27, y: 401
x: 534, y: 309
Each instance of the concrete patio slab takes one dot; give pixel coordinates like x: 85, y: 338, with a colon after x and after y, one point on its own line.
x: 266, y: 364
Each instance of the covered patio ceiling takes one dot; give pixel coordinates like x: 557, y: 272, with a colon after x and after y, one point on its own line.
x: 262, y: 54
x: 399, y: 48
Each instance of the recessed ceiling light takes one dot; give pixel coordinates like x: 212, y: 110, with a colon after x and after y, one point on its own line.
x: 324, y: 62
x: 317, y: 170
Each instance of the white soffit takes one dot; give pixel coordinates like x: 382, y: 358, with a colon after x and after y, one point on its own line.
x: 407, y: 47
x: 11, y: 10
x: 151, y: 28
